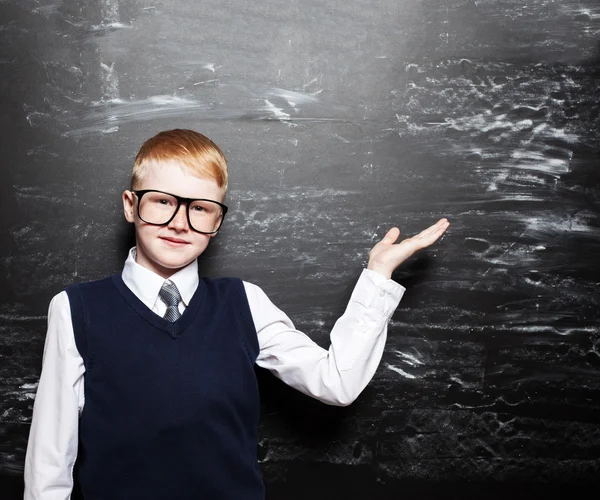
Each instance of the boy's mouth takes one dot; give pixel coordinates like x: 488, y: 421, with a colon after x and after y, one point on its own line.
x: 174, y: 241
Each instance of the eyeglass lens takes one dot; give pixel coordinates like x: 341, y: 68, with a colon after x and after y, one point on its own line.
x: 159, y: 208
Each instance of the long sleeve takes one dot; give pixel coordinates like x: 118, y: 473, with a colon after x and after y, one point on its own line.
x: 338, y: 375
x: 52, y: 446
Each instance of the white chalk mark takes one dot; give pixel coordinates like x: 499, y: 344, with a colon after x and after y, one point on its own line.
x: 374, y: 237
x: 277, y: 112
x: 409, y: 358
x: 343, y: 139
x: 109, y: 27
x: 109, y: 10
x: 400, y: 371
x: 292, y: 97
x: 458, y: 381
x: 497, y: 260
x: 20, y: 317
x: 110, y: 82
x: 214, y: 80
x: 314, y: 80
x: 105, y: 116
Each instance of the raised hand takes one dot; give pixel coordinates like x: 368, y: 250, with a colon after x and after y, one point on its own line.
x: 387, y: 255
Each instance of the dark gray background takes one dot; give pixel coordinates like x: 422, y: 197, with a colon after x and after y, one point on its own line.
x: 339, y: 119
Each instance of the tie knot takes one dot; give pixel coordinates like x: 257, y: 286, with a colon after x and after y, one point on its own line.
x: 169, y: 294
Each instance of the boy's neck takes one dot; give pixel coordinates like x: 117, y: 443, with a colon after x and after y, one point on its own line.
x: 163, y: 272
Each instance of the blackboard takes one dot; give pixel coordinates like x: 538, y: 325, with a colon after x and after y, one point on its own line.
x: 339, y: 119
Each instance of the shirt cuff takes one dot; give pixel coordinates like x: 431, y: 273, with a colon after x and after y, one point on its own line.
x: 374, y: 291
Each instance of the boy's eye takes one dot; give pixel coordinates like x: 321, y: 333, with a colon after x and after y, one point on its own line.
x: 166, y: 201
x: 203, y: 207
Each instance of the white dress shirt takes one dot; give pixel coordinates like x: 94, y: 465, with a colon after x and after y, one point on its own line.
x: 335, y: 376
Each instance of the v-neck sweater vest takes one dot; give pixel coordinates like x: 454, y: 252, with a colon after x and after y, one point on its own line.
x: 171, y: 409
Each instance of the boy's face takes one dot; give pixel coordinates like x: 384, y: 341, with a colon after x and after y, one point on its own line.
x: 166, y: 249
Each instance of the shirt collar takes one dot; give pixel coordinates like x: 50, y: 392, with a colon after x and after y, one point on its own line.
x: 146, y: 284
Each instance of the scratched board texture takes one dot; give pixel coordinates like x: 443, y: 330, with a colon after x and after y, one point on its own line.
x: 339, y: 119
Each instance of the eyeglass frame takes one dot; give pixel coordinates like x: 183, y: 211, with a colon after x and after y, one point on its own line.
x: 180, y: 199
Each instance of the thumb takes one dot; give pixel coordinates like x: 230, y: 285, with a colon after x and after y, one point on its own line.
x: 391, y: 236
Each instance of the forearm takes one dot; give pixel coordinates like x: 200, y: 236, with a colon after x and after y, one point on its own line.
x: 337, y: 375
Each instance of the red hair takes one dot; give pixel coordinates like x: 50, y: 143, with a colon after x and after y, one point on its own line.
x: 190, y: 149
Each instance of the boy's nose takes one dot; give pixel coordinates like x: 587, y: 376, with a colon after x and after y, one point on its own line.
x: 179, y: 222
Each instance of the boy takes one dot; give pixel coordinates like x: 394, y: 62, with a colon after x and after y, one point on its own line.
x: 148, y: 376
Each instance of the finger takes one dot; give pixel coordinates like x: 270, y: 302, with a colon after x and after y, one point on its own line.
x: 391, y: 236
x: 428, y: 236
x: 434, y: 233
x: 440, y: 225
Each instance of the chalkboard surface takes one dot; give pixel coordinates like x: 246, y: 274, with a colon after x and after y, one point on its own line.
x: 339, y: 119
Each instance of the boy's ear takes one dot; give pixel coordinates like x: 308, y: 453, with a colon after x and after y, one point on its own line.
x: 129, y: 206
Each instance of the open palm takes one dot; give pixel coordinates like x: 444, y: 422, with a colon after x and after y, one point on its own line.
x: 387, y: 255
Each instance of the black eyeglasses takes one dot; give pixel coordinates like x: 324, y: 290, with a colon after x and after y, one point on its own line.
x: 159, y: 208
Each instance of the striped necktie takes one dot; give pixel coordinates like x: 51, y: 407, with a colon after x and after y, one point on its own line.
x: 170, y: 296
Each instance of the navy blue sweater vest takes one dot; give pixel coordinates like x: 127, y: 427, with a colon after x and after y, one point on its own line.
x: 171, y: 409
